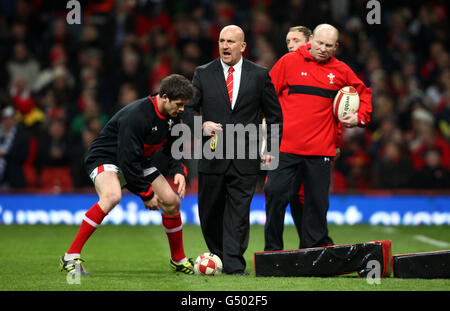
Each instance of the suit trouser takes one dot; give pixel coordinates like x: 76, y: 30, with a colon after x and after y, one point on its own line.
x: 314, y: 171
x: 224, y: 211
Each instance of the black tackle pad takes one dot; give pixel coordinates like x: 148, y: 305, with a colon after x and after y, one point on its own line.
x: 326, y: 261
x: 429, y: 265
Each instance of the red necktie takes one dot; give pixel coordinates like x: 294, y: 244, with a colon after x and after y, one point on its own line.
x: 230, y: 85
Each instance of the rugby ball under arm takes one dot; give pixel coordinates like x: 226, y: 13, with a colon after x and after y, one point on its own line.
x: 345, y: 102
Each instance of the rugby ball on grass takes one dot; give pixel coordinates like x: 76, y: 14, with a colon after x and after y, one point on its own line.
x: 345, y: 102
x: 208, y: 264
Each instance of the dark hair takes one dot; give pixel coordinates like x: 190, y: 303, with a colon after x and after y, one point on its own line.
x: 303, y: 29
x: 176, y: 87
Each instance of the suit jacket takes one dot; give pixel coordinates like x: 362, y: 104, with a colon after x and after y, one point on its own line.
x: 256, y: 97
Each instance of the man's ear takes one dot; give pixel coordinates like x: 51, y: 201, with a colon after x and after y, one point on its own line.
x: 243, y: 46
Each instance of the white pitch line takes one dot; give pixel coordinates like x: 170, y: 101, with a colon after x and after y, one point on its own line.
x: 431, y: 241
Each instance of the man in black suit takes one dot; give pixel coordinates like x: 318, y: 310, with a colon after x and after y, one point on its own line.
x: 227, y: 97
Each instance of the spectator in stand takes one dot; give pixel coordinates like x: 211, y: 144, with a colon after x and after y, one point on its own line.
x: 18, y: 32
x: 57, y: 58
x: 433, y: 175
x: 127, y: 94
x: 263, y: 28
x: 22, y: 66
x: 164, y: 57
x: 53, y: 145
x: 430, y: 139
x: 78, y: 149
x: 13, y: 150
x: 442, y: 110
x: 130, y: 70
x: 421, y: 122
x: 57, y: 34
x: 354, y: 160
x: 194, y: 36
x: 47, y: 102
x: 64, y: 91
x: 383, y: 108
x: 89, y: 108
x: 92, y: 76
x: 60, y: 81
x: 380, y: 137
x: 121, y: 24
x: 394, y: 168
x: 27, y: 111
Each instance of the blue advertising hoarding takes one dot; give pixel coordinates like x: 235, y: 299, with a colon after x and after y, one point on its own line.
x: 344, y: 210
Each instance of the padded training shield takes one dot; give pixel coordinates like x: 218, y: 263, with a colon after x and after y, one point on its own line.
x: 429, y: 265
x: 325, y: 261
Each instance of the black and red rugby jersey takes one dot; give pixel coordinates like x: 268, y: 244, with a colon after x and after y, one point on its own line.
x: 131, y: 137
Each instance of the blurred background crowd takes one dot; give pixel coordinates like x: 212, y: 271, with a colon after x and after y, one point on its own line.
x: 60, y: 83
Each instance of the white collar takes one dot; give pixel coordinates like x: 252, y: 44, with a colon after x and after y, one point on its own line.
x: 236, y: 66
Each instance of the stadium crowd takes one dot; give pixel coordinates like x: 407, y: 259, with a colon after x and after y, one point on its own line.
x: 60, y: 83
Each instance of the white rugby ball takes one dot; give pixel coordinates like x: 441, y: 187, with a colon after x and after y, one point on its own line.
x: 345, y: 102
x: 208, y: 264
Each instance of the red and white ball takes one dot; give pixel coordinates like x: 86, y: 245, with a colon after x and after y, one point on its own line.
x: 345, y: 102
x: 208, y: 264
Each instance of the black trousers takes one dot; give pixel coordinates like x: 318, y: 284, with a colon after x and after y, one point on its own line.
x: 314, y: 171
x: 224, y: 211
x: 295, y: 204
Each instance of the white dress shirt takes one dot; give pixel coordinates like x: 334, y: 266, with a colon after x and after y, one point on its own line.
x: 236, y: 78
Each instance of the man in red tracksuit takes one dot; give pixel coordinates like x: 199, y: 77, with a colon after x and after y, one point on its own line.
x: 306, y: 82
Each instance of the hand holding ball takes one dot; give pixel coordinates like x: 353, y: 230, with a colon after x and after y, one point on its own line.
x: 346, y: 102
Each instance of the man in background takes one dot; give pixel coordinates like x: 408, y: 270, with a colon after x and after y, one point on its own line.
x: 309, y: 75
x: 297, y: 36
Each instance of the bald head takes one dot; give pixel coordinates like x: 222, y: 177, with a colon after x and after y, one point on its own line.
x: 231, y: 44
x: 329, y: 29
x: 235, y: 30
x: 324, y: 42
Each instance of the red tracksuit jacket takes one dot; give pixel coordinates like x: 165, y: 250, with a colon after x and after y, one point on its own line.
x: 306, y: 90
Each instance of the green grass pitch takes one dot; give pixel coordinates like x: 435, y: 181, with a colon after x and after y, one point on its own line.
x: 135, y: 258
